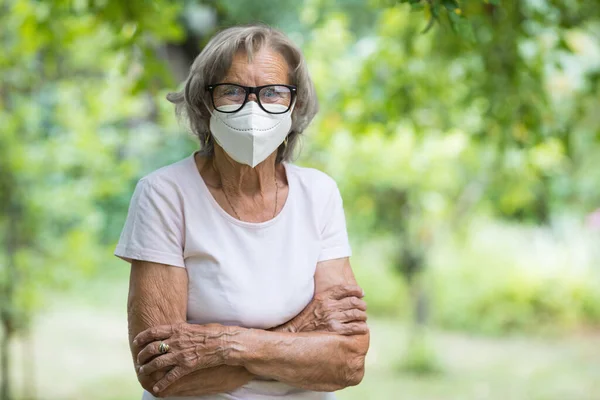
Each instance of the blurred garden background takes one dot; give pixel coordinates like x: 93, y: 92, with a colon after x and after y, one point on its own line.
x: 464, y: 136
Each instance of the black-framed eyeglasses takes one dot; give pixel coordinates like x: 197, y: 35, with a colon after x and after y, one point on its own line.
x: 230, y: 97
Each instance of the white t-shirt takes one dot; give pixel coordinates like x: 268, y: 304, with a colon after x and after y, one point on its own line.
x: 253, y: 275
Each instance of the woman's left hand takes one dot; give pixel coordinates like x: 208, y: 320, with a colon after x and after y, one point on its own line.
x: 191, y: 347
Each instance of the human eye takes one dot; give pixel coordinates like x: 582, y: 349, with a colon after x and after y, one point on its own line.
x: 232, y: 91
x: 274, y: 94
x: 269, y: 92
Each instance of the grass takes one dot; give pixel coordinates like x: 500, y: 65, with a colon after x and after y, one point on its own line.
x: 517, y: 368
x: 81, y: 351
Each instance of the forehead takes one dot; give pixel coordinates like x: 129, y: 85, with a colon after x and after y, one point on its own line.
x: 266, y: 67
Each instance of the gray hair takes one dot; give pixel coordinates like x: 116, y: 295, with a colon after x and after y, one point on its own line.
x: 214, y: 61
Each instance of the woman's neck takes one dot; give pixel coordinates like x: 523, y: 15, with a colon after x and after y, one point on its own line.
x: 241, y: 178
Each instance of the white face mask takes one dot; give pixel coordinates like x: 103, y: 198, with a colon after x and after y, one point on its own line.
x: 250, y: 135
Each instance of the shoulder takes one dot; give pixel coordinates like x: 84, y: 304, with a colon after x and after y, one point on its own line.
x: 166, y: 185
x: 313, y: 184
x: 311, y: 177
x: 171, y: 177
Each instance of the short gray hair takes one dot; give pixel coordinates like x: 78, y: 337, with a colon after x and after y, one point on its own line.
x: 214, y: 61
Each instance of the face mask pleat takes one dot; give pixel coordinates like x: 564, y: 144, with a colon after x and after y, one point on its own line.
x: 250, y: 135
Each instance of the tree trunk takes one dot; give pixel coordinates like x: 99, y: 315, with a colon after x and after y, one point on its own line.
x: 412, y: 267
x: 29, y: 383
x: 420, y: 304
x: 5, y: 390
x: 7, y: 313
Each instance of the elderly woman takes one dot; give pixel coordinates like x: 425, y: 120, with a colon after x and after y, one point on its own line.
x: 241, y: 285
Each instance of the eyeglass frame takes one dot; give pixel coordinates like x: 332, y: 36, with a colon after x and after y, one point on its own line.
x: 249, y: 90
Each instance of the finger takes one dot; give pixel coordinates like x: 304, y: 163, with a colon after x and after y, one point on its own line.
x: 341, y: 291
x: 148, y: 352
x: 157, y: 375
x: 158, y: 363
x: 146, y: 381
x: 353, y: 315
x: 349, y: 303
x: 169, y: 378
x: 354, y: 328
x: 152, y: 334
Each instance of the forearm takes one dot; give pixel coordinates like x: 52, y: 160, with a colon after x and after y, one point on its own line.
x: 150, y: 305
x: 205, y: 381
x: 314, y: 361
x: 214, y: 358
x: 218, y: 379
x: 223, y: 378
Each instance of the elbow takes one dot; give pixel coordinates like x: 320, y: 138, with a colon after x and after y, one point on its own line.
x: 348, y: 372
x: 356, y: 375
x: 354, y: 366
x: 354, y: 372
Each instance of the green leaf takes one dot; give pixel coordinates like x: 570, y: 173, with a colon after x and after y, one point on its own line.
x: 450, y: 5
x: 417, y: 6
x: 461, y: 26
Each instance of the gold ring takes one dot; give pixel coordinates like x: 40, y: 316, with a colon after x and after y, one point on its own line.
x: 163, y: 347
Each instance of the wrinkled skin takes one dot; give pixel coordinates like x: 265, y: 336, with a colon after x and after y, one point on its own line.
x: 339, y: 309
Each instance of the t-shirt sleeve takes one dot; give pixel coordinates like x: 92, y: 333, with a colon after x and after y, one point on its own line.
x: 153, y: 229
x: 334, y: 237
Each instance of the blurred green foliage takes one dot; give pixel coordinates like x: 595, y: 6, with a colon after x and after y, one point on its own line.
x: 427, y: 134
x: 69, y: 113
x: 506, y: 278
x: 420, y: 358
x: 487, y: 122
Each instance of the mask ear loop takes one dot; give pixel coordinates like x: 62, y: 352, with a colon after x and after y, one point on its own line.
x: 285, y: 141
x: 293, y: 105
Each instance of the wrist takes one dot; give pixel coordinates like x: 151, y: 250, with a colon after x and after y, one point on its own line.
x: 302, y: 323
x: 288, y: 327
x: 240, y: 342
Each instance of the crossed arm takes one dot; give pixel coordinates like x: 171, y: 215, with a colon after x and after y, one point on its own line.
x: 323, y: 348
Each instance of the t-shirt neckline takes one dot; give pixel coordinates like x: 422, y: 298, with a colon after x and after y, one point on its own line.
x: 206, y: 191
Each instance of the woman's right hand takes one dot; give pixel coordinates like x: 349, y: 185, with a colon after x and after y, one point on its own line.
x: 339, y: 309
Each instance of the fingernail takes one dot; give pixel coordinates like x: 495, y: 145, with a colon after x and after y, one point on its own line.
x: 363, y: 292
x: 135, y: 342
x: 155, y: 389
x: 141, y: 370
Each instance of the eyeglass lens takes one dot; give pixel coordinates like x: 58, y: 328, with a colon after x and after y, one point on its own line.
x: 273, y: 98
